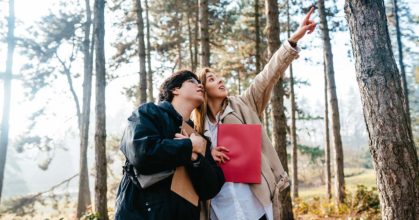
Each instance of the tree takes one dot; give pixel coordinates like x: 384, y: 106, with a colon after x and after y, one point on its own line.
x: 55, y: 32
x: 4, y: 138
x: 293, y: 132
x: 401, y: 63
x: 149, y: 72
x: 141, y: 52
x: 204, y: 34
x: 257, y: 41
x: 333, y: 102
x: 84, y: 199
x: 277, y: 100
x: 100, y: 109
x: 390, y: 139
x: 327, y: 138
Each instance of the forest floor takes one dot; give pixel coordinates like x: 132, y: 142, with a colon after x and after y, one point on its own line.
x: 353, y: 177
x: 308, y: 195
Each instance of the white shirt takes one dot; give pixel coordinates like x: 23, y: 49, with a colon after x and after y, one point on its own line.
x: 235, y: 200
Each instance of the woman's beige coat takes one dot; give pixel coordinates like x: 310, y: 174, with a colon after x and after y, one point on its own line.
x: 246, y: 109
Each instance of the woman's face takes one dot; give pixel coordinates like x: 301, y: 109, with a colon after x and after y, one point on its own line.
x: 214, y: 86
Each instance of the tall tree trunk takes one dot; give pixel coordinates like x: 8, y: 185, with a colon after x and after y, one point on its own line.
x: 196, y: 34
x: 266, y: 121
x: 179, y: 28
x: 84, y: 199
x: 141, y: 52
x: 390, y: 139
x: 239, y: 83
x: 293, y: 126
x: 327, y: 138
x: 203, y: 33
x: 257, y: 30
x: 100, y: 109
x: 149, y: 71
x: 190, y: 41
x: 4, y: 138
x: 279, y: 121
x: 401, y: 64
x: 333, y: 101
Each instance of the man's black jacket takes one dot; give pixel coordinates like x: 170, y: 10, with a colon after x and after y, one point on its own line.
x: 149, y: 145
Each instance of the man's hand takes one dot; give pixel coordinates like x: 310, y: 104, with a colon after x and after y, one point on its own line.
x: 198, y: 144
x: 305, y: 25
x: 219, y: 154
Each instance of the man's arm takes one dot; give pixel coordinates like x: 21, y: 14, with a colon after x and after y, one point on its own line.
x: 206, y: 176
x: 148, y: 151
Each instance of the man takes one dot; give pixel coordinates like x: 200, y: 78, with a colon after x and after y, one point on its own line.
x: 153, y: 145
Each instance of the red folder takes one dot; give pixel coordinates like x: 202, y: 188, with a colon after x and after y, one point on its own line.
x: 245, y: 143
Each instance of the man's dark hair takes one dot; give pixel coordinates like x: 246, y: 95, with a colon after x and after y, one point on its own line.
x: 174, y: 81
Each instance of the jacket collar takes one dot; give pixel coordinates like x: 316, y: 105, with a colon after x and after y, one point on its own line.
x: 168, y: 107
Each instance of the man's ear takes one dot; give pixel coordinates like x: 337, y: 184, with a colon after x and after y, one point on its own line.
x: 175, y: 91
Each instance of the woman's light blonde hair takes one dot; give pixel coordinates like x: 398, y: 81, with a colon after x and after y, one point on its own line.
x: 199, y: 113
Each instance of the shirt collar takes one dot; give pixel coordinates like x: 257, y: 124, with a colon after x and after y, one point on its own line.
x: 227, y: 111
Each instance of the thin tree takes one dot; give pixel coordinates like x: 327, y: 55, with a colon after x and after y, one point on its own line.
x: 149, y: 71
x: 141, y: 52
x: 204, y: 33
x: 401, y: 63
x: 257, y: 32
x: 293, y: 121
x: 190, y: 41
x: 4, y: 138
x: 327, y: 138
x: 277, y: 100
x: 100, y: 109
x: 196, y: 34
x: 333, y: 102
x: 390, y: 139
x: 84, y: 199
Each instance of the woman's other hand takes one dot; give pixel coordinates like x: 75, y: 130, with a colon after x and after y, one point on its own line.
x: 219, y: 154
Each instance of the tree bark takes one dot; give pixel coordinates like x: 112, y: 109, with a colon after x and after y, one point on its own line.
x: 84, y: 199
x: 266, y: 121
x: 327, y: 137
x: 203, y: 33
x: 191, y: 54
x: 333, y: 102
x: 141, y: 52
x: 196, y: 34
x: 401, y: 64
x: 257, y: 30
x: 149, y: 71
x: 179, y: 28
x: 277, y: 100
x: 390, y: 139
x: 100, y: 109
x: 4, y: 138
x: 293, y: 122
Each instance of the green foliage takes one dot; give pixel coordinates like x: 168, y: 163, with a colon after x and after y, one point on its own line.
x: 314, y: 152
x: 364, y: 200
x: 363, y: 203
x: 91, y: 216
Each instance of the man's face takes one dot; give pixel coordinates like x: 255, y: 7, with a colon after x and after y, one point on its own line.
x: 191, y: 91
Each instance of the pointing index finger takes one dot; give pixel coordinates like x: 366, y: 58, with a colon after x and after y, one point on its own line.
x: 309, y: 14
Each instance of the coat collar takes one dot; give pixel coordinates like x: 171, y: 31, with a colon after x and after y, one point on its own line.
x: 227, y: 111
x: 168, y: 107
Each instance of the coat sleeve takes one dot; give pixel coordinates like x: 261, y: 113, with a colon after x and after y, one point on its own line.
x: 207, y: 177
x: 148, y: 151
x: 257, y: 95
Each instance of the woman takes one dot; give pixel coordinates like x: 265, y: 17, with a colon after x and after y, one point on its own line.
x: 238, y: 200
